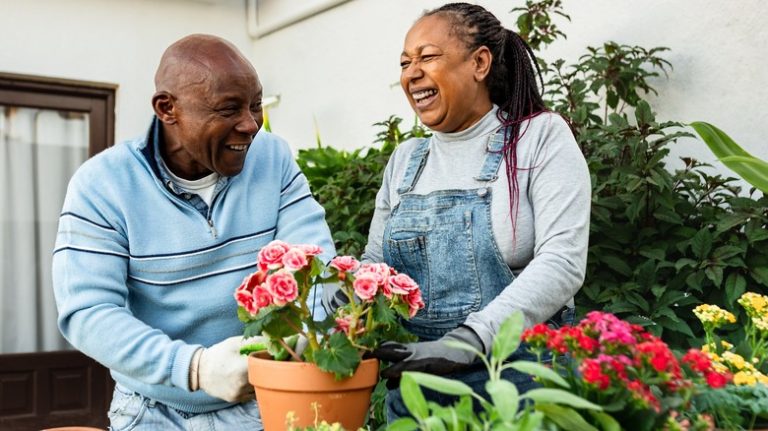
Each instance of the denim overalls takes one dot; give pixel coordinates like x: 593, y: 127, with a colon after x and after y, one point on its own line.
x: 444, y: 241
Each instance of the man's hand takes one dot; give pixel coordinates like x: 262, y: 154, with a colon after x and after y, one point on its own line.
x: 222, y: 371
x: 434, y: 357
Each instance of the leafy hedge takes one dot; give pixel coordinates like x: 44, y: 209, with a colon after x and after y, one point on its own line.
x: 345, y: 183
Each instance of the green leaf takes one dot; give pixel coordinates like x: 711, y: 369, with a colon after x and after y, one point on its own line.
x: 243, y: 315
x: 559, y: 396
x: 507, y: 340
x: 340, y: 358
x: 565, y: 418
x: 750, y: 168
x: 643, y: 113
x: 735, y: 285
x: 505, y: 398
x: 403, y: 424
x: 701, y: 243
x: 675, y: 325
x: 760, y: 274
x: 538, y: 370
x: 616, y: 264
x: 413, y: 398
x: 440, y: 384
x: 606, y: 421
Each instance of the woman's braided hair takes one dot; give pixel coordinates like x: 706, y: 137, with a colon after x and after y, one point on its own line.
x: 511, y: 81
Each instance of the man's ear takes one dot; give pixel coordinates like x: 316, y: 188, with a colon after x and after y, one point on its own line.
x: 164, y: 105
x: 482, y: 59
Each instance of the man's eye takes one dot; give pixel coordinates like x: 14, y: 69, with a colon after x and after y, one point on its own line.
x: 227, y: 112
x: 404, y: 64
x: 428, y: 57
x: 256, y: 108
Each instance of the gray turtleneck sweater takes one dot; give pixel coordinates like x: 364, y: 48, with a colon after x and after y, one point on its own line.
x: 549, y: 252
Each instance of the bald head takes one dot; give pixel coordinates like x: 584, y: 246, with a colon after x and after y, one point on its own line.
x: 195, y: 59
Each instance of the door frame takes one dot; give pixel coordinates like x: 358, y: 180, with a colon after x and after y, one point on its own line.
x: 47, y: 389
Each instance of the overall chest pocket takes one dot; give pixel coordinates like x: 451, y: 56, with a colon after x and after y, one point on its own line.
x: 437, y: 251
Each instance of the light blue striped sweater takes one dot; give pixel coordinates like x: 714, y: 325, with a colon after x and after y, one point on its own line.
x: 144, y: 276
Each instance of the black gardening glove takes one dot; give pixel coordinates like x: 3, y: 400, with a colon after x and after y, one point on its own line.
x: 433, y: 357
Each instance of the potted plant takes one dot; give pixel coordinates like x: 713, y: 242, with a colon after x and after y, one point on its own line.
x: 329, y: 372
x: 740, y: 350
x: 630, y: 373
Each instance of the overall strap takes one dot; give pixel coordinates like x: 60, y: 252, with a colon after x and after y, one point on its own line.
x: 415, y: 165
x: 493, y: 158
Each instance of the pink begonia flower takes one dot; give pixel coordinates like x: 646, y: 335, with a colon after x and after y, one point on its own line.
x: 294, y: 259
x: 262, y: 297
x: 244, y: 293
x: 380, y: 270
x: 271, y: 255
x: 366, y: 286
x: 402, y: 284
x: 244, y: 298
x: 310, y: 249
x: 345, y: 263
x: 414, y: 301
x: 283, y: 287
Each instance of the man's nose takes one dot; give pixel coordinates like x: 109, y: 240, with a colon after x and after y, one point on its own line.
x: 249, y: 123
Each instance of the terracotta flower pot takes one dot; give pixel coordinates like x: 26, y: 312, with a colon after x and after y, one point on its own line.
x: 286, y: 386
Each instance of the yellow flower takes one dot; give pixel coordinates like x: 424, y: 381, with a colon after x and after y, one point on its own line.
x: 713, y: 316
x: 719, y: 367
x: 761, y: 378
x: 744, y: 378
x: 755, y: 304
x: 736, y: 360
x: 761, y: 323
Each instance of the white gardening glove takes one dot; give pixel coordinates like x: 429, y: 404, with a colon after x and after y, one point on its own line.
x: 222, y: 371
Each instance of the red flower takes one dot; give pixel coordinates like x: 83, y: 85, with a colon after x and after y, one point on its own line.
x: 592, y: 371
x: 698, y: 360
x: 537, y: 335
x: 717, y: 380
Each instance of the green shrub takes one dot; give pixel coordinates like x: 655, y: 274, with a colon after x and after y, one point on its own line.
x: 345, y: 183
x: 662, y: 238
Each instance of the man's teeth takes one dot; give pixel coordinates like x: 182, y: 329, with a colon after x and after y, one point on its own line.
x: 238, y: 147
x: 423, y: 94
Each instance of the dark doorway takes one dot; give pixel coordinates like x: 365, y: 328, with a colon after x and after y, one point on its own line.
x: 47, y: 128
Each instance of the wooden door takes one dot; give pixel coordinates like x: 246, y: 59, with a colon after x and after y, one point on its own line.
x: 43, y: 386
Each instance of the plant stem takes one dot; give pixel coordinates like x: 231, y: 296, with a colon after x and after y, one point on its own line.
x: 289, y: 350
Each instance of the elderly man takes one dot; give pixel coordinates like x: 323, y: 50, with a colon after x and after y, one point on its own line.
x: 156, y: 234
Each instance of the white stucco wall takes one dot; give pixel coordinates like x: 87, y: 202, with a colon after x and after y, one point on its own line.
x: 113, y: 41
x: 338, y: 66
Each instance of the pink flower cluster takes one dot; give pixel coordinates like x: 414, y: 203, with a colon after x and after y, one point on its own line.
x: 373, y: 278
x: 614, y: 355
x: 274, y: 282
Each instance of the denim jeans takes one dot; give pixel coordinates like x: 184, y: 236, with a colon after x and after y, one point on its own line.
x: 131, y: 411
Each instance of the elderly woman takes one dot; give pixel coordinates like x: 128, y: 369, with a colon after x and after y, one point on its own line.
x: 491, y: 214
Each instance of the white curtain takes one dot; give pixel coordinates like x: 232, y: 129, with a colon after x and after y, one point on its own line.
x: 39, y: 152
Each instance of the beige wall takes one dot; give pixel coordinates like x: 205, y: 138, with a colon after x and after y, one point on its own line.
x: 339, y: 67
